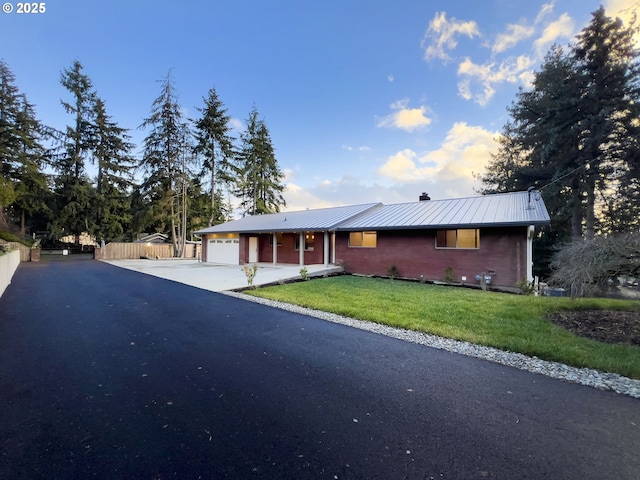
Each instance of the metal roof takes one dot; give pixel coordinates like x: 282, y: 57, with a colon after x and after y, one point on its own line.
x: 496, y: 210
x: 316, y: 220
x: 508, y: 209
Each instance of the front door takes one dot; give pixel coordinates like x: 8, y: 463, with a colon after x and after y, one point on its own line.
x: 253, y: 249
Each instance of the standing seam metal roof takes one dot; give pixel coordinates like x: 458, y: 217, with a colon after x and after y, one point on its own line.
x: 507, y: 209
x: 317, y: 219
x: 518, y: 208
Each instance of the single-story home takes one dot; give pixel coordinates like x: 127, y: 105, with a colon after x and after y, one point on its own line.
x: 460, y: 239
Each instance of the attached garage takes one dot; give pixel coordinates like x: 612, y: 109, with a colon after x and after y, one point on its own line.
x: 223, y: 249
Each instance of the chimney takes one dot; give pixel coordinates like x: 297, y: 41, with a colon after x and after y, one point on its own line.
x: 424, y: 197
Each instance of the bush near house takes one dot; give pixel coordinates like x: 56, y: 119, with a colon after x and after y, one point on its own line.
x: 585, y: 267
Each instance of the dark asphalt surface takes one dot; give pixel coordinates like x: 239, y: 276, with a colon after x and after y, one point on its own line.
x: 111, y: 374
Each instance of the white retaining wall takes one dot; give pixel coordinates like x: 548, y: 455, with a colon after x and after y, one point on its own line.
x: 8, y: 264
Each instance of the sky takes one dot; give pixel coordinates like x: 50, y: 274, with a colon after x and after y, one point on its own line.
x: 366, y: 100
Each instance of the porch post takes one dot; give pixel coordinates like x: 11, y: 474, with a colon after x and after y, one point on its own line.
x: 326, y: 248
x: 333, y: 248
x: 301, y: 243
x: 275, y: 248
x: 530, y: 234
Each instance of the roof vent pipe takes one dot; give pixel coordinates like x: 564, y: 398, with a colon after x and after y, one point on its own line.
x: 424, y: 197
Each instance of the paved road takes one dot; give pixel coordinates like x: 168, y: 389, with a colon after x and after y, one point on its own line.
x: 111, y: 374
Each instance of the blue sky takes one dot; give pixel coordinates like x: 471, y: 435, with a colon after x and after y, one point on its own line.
x: 366, y: 100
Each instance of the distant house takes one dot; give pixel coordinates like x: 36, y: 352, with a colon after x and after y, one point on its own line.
x: 152, y: 238
x: 460, y: 238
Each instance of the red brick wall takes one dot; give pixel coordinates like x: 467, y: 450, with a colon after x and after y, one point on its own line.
x: 413, y: 252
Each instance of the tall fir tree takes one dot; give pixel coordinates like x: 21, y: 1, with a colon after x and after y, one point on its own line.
x: 166, y: 156
x: 214, y: 145
x: 23, y: 184
x: 259, y: 182
x: 609, y: 142
x: 111, y: 152
x: 574, y: 135
x: 74, y: 190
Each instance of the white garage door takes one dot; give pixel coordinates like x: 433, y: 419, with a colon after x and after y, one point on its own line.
x: 223, y: 250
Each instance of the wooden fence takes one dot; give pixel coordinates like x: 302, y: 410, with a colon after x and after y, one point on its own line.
x: 119, y: 251
x: 25, y: 252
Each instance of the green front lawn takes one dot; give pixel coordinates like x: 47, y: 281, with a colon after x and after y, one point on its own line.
x: 510, y: 322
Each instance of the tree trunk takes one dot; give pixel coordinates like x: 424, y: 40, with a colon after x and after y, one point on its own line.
x: 590, y: 216
x: 174, y: 240
x: 576, y: 210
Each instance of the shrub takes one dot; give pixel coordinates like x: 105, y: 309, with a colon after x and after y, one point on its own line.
x: 304, y: 273
x: 526, y: 287
x: 584, y: 266
x: 250, y: 271
x: 392, y: 272
x: 448, y: 275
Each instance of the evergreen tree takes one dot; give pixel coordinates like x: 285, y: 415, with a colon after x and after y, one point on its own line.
x: 214, y: 145
x: 574, y: 135
x: 165, y: 160
x: 111, y: 151
x: 9, y: 138
x: 33, y: 193
x: 259, y: 182
x: 610, y: 72
x: 23, y: 185
x: 74, y: 190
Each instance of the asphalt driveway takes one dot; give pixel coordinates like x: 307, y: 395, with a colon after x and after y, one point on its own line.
x: 108, y: 373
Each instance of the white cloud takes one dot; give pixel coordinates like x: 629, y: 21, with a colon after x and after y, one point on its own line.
x: 515, y: 34
x: 361, y: 148
x: 443, y: 173
x: 441, y: 36
x: 479, y: 81
x: 487, y: 76
x: 405, y: 118
x: 465, y: 150
x: 236, y: 124
x: 390, y: 78
x: 563, y: 27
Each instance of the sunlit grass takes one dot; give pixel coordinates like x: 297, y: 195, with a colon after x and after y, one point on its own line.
x: 510, y: 322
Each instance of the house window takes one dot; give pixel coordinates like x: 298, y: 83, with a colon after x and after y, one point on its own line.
x: 460, y: 238
x: 363, y: 239
x: 309, y: 239
x: 278, y: 237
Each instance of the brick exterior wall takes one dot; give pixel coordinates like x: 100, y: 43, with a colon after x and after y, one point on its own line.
x: 414, y: 253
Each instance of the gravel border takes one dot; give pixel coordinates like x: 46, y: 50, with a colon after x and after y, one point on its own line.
x: 583, y: 376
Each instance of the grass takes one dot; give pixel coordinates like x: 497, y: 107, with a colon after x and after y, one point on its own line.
x: 515, y: 323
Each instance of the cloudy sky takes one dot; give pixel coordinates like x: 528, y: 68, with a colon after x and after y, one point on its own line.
x: 366, y: 100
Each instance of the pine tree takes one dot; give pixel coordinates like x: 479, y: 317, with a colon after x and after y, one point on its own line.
x: 165, y: 160
x: 259, y: 183
x: 111, y: 152
x: 214, y: 145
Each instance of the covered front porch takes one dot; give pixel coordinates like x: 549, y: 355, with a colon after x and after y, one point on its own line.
x: 303, y: 248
